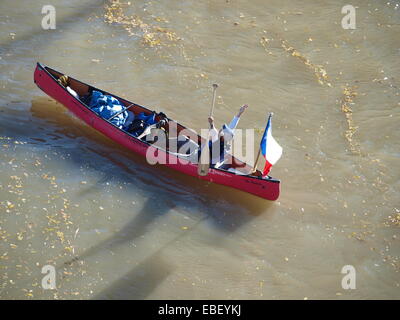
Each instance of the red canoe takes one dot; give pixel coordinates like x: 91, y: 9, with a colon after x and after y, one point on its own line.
x: 46, y: 79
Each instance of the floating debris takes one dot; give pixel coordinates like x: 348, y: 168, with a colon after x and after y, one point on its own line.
x: 153, y: 36
x: 349, y: 93
x: 264, y: 42
x: 319, y: 71
x: 393, y: 220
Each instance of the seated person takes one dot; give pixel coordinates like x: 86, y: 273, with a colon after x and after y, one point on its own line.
x: 142, y: 125
x: 220, y: 141
x: 183, y: 146
x: 137, y: 127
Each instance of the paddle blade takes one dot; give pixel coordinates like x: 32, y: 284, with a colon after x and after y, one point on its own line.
x: 204, y: 161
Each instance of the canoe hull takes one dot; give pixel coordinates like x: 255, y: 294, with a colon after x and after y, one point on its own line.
x: 267, y: 189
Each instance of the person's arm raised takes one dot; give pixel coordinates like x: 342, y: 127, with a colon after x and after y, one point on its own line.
x: 241, y: 110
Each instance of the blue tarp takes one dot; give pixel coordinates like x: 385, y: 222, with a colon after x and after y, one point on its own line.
x: 106, y: 106
x: 149, y: 120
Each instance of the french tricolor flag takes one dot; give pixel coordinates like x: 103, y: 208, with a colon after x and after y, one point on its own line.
x: 270, y: 149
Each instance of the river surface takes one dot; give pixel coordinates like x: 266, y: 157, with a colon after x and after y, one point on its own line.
x: 115, y: 227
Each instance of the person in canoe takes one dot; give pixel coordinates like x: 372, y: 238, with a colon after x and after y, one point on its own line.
x: 220, y: 141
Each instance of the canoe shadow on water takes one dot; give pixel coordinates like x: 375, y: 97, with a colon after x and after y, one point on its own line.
x: 140, y: 281
x: 223, y: 208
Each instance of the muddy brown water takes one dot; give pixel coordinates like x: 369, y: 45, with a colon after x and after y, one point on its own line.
x: 115, y: 227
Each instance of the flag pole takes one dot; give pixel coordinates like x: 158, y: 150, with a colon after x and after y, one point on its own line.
x: 258, y: 157
x: 259, y: 148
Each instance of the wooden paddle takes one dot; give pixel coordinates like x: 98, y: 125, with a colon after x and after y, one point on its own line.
x: 204, y: 161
